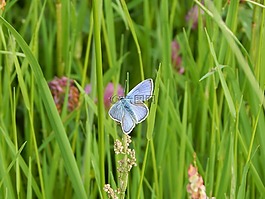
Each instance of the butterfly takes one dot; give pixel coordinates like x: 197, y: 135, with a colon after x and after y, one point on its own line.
x: 131, y: 110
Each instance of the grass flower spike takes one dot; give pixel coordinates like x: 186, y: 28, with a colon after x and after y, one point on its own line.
x: 111, y: 192
x: 126, y: 160
x: 196, y: 188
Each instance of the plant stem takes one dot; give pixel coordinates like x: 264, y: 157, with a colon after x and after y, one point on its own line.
x: 96, y: 14
x: 124, y: 177
x: 60, y: 69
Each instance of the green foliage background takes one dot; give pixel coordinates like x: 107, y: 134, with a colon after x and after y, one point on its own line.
x: 214, y: 109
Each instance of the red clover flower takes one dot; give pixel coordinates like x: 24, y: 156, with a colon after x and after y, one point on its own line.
x: 58, y: 87
x: 109, y: 96
x: 176, y: 58
x: 192, y: 16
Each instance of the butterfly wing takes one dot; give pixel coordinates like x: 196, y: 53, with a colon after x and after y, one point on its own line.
x: 133, y: 114
x: 140, y: 111
x: 120, y: 114
x: 127, y: 123
x: 141, y: 92
x: 116, y: 112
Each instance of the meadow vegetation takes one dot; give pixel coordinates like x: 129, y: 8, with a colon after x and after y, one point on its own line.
x: 61, y: 63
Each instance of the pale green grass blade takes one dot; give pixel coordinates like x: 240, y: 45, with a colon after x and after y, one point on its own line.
x: 150, y: 129
x: 230, y: 37
x: 223, y: 82
x: 5, y: 176
x: 130, y: 23
x: 6, y: 187
x: 29, y: 190
x: 166, y: 39
x: 255, y: 3
x: 139, y: 191
x: 212, y: 72
x: 183, y: 143
x: 22, y: 163
x: 12, y: 163
x: 242, y: 189
x: 154, y: 103
x: 21, y: 81
x: 97, y: 7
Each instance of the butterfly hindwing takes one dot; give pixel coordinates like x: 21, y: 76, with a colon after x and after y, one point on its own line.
x: 140, y: 111
x: 127, y: 122
x: 116, y: 112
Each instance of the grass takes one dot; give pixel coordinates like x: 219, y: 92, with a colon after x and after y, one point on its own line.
x: 215, y: 109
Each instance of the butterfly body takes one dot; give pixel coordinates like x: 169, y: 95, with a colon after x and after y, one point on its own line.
x: 126, y: 105
x: 131, y: 110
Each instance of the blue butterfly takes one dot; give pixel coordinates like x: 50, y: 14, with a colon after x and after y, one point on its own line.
x: 131, y: 110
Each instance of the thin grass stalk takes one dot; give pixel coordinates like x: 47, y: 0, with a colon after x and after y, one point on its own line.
x: 16, y: 143
x: 130, y: 23
x: 14, y: 161
x: 262, y: 50
x: 88, y: 46
x: 146, y: 46
x: 212, y: 154
x: 166, y: 36
x: 157, y: 190
x: 59, y: 59
x: 183, y: 143
x: 21, y: 162
x: 140, y: 185
x: 232, y: 41
x: 221, y: 76
x: 32, y: 134
x: 110, y: 30
x: 107, y: 43
x: 29, y: 183
x: 253, y: 135
x: 97, y: 9
x: 37, y: 155
x: 87, y: 153
x: 255, y: 3
x: 150, y: 129
x: 235, y: 153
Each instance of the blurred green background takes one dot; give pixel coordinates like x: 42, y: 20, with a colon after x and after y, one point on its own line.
x: 61, y: 62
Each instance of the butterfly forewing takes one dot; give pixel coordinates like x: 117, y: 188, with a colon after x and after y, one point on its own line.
x: 140, y: 111
x: 116, y: 112
x: 141, y: 92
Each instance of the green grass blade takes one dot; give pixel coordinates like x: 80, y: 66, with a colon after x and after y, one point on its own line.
x: 130, y: 23
x: 54, y: 118
x: 97, y: 24
x: 223, y: 82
